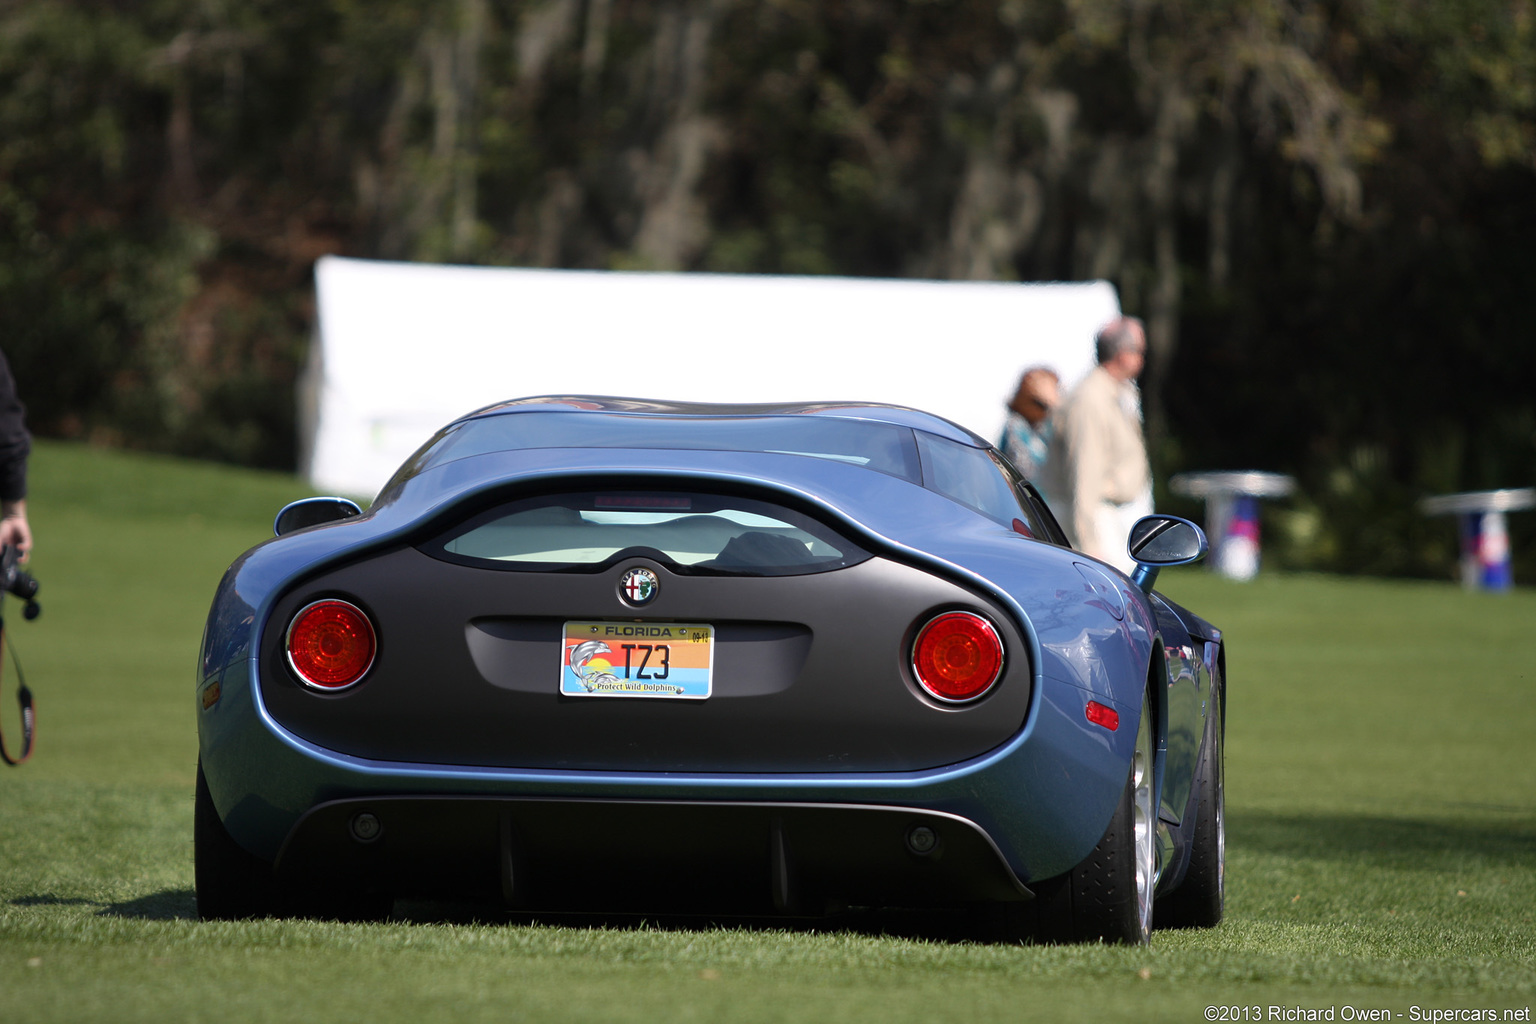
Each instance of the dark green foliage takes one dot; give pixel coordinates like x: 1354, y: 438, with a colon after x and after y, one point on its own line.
x: 1323, y: 209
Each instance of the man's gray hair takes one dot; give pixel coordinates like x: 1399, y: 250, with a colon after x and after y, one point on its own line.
x: 1117, y: 336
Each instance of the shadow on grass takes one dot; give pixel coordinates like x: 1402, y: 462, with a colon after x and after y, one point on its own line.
x: 1372, y: 841
x: 171, y: 905
x: 941, y: 926
x: 48, y: 899
x: 1386, y: 842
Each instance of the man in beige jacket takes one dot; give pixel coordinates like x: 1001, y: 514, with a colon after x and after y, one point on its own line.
x: 1099, y: 482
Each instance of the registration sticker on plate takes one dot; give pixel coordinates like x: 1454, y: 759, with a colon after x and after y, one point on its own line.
x: 637, y: 659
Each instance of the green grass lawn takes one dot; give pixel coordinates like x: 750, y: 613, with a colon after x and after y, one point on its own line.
x: 1381, y: 802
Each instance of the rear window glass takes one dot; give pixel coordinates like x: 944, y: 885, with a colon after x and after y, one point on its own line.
x: 691, y: 533
x: 884, y: 447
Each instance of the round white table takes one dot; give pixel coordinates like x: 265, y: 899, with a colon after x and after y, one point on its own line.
x: 1484, y: 533
x: 1232, y: 514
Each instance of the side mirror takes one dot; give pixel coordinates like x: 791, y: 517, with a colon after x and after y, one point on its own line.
x: 1157, y: 541
x: 313, y: 512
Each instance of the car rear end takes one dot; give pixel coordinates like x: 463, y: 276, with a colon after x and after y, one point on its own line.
x: 633, y: 666
x: 647, y: 629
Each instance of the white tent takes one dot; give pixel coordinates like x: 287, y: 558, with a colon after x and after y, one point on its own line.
x: 404, y: 348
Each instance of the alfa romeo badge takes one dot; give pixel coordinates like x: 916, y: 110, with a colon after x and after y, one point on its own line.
x: 638, y: 586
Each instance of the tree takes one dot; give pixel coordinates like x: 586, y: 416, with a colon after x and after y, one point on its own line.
x: 1322, y: 207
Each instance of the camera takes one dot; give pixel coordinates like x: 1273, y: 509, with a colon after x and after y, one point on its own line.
x: 16, y: 580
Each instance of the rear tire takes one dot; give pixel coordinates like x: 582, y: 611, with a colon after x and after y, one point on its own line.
x: 1107, y: 897
x: 232, y: 884
x: 1200, y: 899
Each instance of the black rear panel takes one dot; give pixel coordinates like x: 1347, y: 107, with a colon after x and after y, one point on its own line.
x: 664, y: 857
x: 811, y: 672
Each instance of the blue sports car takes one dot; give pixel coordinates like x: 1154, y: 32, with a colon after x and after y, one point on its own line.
x: 608, y: 655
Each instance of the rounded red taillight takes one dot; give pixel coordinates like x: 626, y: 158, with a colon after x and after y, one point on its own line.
x: 957, y: 657
x: 331, y: 644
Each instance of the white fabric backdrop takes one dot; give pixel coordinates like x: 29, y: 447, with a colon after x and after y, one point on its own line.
x: 404, y: 348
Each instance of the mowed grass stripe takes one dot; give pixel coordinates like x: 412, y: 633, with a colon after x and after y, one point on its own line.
x: 1382, y: 810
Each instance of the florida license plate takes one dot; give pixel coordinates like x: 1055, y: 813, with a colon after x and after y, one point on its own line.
x: 638, y: 659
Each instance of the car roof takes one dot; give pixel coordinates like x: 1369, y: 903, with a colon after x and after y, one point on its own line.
x: 895, y: 415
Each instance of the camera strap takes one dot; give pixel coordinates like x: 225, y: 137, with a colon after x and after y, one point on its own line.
x: 23, y: 698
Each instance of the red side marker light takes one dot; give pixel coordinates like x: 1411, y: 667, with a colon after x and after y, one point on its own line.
x: 957, y: 657
x: 331, y: 644
x: 1108, y: 717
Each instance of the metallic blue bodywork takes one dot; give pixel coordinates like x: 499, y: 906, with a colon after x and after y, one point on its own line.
x: 1043, y: 797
